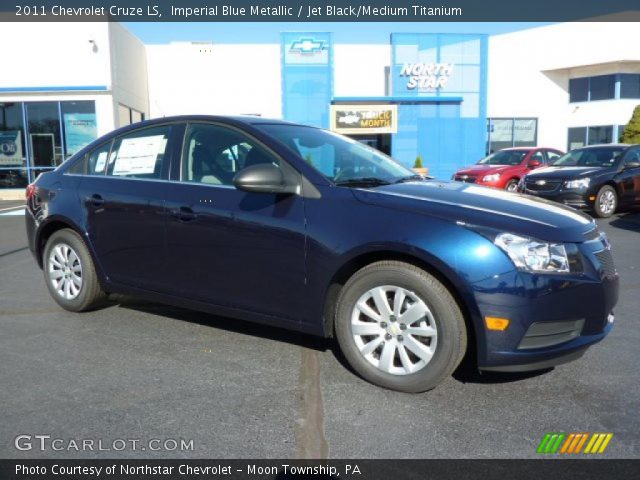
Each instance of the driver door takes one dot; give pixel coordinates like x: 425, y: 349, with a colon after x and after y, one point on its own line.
x: 629, y: 178
x: 228, y: 247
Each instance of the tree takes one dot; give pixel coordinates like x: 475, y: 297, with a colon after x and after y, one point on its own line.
x: 631, y: 132
x: 418, y: 163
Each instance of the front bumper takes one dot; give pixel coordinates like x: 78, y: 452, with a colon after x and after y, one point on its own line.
x: 573, y: 198
x: 553, y: 318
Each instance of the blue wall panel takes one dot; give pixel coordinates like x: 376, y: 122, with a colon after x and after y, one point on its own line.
x: 447, y: 135
x: 307, y: 77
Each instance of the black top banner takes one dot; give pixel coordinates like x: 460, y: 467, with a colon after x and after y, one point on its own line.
x: 318, y: 11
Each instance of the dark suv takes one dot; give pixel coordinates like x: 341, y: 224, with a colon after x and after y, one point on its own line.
x: 301, y: 228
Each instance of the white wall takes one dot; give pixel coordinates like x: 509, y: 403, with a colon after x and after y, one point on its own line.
x: 55, y: 54
x: 529, y: 74
x: 359, y: 70
x: 129, y: 71
x: 197, y: 78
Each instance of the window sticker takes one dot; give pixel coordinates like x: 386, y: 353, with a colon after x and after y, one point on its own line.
x: 100, y: 162
x: 138, y: 156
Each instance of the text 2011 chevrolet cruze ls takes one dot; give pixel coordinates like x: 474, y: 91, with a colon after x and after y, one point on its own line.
x: 301, y: 228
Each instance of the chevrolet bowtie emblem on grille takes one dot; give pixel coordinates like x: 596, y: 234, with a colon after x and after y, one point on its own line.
x: 541, y: 182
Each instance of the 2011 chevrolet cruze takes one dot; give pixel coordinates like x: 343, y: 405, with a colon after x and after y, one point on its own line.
x: 297, y: 227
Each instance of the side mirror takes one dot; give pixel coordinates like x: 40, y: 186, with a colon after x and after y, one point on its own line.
x: 264, y: 178
x: 534, y: 164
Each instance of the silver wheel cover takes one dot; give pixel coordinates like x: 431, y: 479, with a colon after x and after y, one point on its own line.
x: 607, y: 202
x: 394, y: 330
x: 65, y: 271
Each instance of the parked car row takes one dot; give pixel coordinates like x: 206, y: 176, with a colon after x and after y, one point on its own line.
x: 598, y: 178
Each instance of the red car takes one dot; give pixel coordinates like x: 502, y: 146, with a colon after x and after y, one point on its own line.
x: 503, y: 169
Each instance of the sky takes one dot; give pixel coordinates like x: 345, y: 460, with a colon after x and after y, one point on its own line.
x: 361, y: 32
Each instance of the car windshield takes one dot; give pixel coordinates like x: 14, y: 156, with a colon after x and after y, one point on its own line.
x: 590, y: 157
x: 504, y: 157
x: 341, y: 159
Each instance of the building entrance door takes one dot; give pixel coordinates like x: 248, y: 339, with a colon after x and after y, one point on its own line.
x: 380, y: 141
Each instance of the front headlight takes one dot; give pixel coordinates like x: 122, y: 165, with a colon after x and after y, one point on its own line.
x: 533, y: 255
x: 491, y: 178
x: 581, y: 183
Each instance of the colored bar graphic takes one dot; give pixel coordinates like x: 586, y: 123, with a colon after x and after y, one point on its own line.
x: 572, y: 443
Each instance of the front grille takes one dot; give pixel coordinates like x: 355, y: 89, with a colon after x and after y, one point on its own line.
x: 592, y: 235
x: 542, y: 184
x: 547, y: 334
x: 607, y: 267
x: 465, y: 178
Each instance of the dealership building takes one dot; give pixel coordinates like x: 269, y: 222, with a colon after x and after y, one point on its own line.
x: 448, y: 98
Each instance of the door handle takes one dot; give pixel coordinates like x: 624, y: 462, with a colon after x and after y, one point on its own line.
x: 96, y: 200
x: 184, y: 214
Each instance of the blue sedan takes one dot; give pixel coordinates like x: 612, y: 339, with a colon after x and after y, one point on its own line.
x: 301, y: 228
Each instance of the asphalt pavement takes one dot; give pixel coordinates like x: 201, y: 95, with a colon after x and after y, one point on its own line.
x: 230, y: 389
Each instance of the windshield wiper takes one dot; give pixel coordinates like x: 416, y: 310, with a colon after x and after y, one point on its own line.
x: 363, y: 181
x: 410, y: 178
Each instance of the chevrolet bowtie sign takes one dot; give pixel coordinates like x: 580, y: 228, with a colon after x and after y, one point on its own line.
x: 307, y: 46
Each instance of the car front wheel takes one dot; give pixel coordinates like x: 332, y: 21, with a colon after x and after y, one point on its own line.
x: 606, y: 202
x: 399, y: 327
x: 70, y: 274
x: 511, y: 186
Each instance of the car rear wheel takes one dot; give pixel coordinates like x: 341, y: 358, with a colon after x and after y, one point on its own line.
x: 606, y: 202
x: 512, y: 185
x: 70, y: 274
x: 399, y: 327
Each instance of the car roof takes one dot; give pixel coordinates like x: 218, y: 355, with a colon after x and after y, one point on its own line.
x: 605, y: 145
x: 246, y: 119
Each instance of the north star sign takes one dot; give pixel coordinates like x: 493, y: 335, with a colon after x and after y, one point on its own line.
x: 426, y: 76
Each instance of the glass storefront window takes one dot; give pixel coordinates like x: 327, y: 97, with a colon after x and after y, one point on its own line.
x: 602, y: 134
x: 13, y: 157
x: 578, y: 90
x: 621, y: 131
x: 53, y: 132
x: 577, y: 138
x: 512, y: 132
x: 602, y: 87
x: 79, y: 124
x: 629, y: 85
x: 45, y: 142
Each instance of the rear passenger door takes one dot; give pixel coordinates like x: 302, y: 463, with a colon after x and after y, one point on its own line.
x: 122, y: 197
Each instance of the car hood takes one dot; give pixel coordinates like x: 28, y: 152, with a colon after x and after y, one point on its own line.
x: 482, y: 169
x: 483, y: 207
x: 569, y: 172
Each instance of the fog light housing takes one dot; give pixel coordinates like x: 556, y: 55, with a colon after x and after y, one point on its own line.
x: 496, y: 323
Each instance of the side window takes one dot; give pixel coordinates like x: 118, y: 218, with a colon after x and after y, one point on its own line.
x: 552, y: 156
x: 140, y: 154
x: 92, y: 163
x: 633, y: 156
x: 214, y: 154
x: 537, y: 157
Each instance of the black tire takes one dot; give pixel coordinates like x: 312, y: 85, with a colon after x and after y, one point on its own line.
x: 512, y: 185
x: 602, y: 206
x: 449, y: 323
x: 90, y: 294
